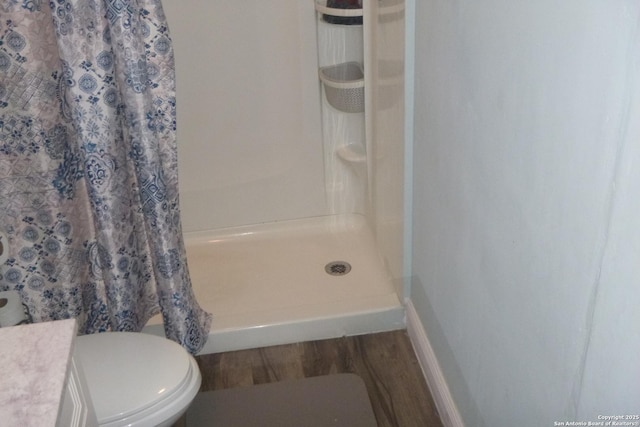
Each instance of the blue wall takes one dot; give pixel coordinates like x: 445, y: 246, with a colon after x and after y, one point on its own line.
x: 526, y: 215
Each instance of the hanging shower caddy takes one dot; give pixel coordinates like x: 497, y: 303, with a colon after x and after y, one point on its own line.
x: 344, y: 82
x: 340, y: 31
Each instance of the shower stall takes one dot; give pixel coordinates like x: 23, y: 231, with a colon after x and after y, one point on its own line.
x: 291, y: 144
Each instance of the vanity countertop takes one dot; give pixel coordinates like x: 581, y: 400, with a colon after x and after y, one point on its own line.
x: 34, y: 360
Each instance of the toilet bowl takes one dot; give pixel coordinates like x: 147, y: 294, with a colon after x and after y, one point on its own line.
x: 137, y: 379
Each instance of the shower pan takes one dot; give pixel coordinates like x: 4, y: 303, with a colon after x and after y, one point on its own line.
x: 292, y: 207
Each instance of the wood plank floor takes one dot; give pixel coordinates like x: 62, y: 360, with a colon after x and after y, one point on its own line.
x: 385, y: 361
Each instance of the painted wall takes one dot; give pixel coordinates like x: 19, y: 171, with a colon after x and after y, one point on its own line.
x: 249, y: 122
x: 526, y: 220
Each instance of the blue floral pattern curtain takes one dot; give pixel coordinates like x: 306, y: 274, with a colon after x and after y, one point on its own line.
x: 88, y: 166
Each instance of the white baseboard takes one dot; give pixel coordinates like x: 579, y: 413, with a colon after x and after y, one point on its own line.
x: 431, y: 368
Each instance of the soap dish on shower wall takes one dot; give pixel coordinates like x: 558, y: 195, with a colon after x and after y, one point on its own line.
x: 344, y: 86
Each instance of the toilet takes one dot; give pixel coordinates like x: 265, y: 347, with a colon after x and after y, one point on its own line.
x: 137, y: 379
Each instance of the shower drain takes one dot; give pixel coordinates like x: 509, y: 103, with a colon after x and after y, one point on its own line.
x: 337, y: 268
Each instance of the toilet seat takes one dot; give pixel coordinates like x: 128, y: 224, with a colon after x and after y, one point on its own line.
x: 137, y: 379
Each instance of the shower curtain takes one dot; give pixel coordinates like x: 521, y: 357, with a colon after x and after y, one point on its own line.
x: 88, y: 167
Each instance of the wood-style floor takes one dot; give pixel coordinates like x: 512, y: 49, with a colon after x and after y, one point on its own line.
x: 385, y: 361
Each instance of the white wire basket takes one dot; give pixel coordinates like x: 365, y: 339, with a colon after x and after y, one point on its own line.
x: 344, y: 86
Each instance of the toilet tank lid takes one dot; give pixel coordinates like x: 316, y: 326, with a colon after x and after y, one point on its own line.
x: 127, y: 372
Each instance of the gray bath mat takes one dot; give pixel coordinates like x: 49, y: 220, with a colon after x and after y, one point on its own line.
x: 339, y: 400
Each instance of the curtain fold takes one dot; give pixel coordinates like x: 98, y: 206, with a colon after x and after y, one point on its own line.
x: 89, y: 169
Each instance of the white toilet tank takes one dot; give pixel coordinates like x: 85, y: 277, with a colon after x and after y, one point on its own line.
x: 137, y: 379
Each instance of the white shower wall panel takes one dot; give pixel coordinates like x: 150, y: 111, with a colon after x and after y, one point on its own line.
x: 249, y: 121
x: 387, y: 121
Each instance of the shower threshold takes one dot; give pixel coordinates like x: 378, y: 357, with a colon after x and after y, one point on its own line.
x: 268, y: 284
